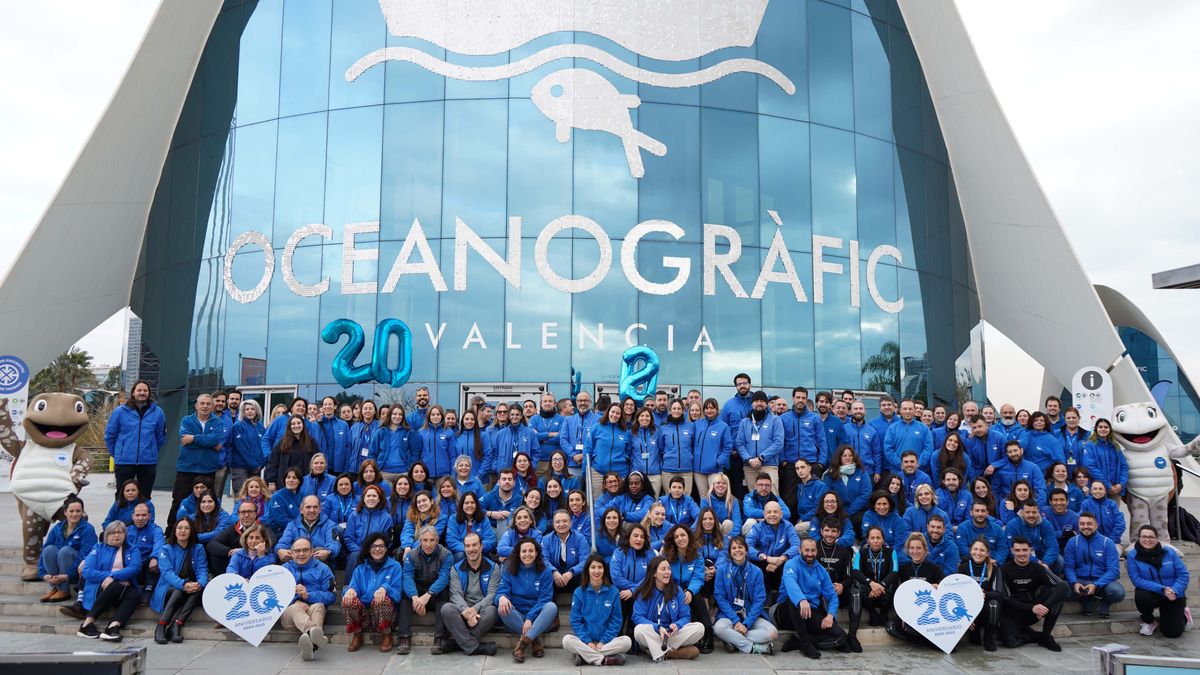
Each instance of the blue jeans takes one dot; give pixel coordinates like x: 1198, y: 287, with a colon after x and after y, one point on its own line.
x: 64, y: 560
x: 515, y: 622
x: 1107, y: 595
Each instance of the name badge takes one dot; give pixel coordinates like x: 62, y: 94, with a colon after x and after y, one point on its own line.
x: 579, y: 447
x: 754, y: 435
x: 739, y: 602
x: 645, y: 455
x: 365, y: 452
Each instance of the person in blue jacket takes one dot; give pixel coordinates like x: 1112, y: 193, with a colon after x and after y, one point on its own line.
x: 1107, y: 511
x: 1092, y: 567
x: 906, y: 434
x: 148, y: 538
x: 943, y: 551
x: 712, y: 446
x: 676, y: 445
x: 811, y: 604
x: 187, y: 507
x: 772, y: 543
x: 546, y: 424
x: 1104, y: 459
x: 721, y: 500
x: 607, y: 447
x: 427, y: 568
x: 284, y: 506
x: 1072, y: 436
x: 1059, y: 476
x: 565, y: 552
x: 135, y: 434
x: 560, y: 470
x: 70, y: 540
x: 1064, y: 521
x: 210, y: 520
x: 370, y: 597
x: 318, y: 481
x: 255, y: 552
x: 952, y: 427
x: 681, y: 508
x: 338, y: 504
x: 109, y: 576
x: 984, y: 444
x: 850, y: 480
x: 809, y: 491
x: 200, y: 437
x: 183, y: 574
x: 314, y: 593
x: 982, y: 524
x: 370, y: 516
x: 525, y: 599
x: 1015, y: 467
x: 741, y: 597
x: 469, y: 518
x: 755, y: 502
x: 514, y: 437
x: 1041, y: 445
x: 662, y: 620
x: 883, y: 515
x: 312, y: 525
x: 128, y: 497
x: 952, y: 454
x: 610, y: 530
x: 917, y: 515
x: 953, y: 498
x: 464, y: 479
x: 1160, y: 579
x: 333, y: 436
x: 245, y: 438
x: 438, y: 447
x: 911, y: 477
x: 1040, y: 535
x: 688, y: 569
x: 831, y: 509
x: 279, y: 427
x: 759, y: 442
x: 596, y: 619
x: 362, y: 431
x: 644, y: 455
x: 394, y: 446
x: 628, y: 569
x: 865, y: 439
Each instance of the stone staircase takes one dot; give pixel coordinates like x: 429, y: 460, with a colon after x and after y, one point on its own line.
x: 21, y: 612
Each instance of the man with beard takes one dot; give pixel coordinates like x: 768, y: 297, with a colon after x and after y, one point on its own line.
x: 574, y: 428
x: 865, y: 440
x: 1034, y: 594
x: 811, y: 605
x: 803, y: 438
x: 759, y: 442
x: 838, y: 560
x: 547, y: 423
x: 732, y: 414
x: 416, y: 418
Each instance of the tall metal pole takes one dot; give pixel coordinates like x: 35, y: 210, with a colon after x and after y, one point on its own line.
x: 587, y: 481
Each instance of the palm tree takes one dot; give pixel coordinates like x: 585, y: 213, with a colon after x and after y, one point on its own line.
x: 68, y: 372
x: 883, y: 368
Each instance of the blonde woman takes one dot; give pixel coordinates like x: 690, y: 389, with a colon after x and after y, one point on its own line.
x: 721, y: 500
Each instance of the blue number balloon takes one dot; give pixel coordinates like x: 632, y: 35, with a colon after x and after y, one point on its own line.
x: 383, y: 333
x: 641, y: 383
x: 344, y: 371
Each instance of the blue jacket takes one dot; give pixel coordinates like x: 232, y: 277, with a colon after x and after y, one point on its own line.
x: 408, y: 531
x: 867, y: 442
x: 803, y: 581
x: 735, y: 410
x: 1173, y: 573
x: 957, y: 504
x: 903, y: 436
x: 321, y: 487
x: 317, y: 579
x: 578, y: 549
x: 443, y: 579
x: 846, y: 538
x: 644, y: 455
x: 881, y: 425
x: 894, y: 528
x: 675, y: 446
x: 804, y: 437
x: 321, y: 535
x: 572, y: 433
x: 507, y: 542
x: 366, y: 521
x: 395, y: 450
x: 596, y: 614
x: 125, y: 513
x: 657, y: 611
x: 723, y: 512
x: 416, y: 418
x: 492, y: 501
x: 464, y: 444
x: 986, y: 450
x: 1072, y: 444
x: 170, y: 562
x: 245, y: 566
x: 474, y: 486
x: 278, y: 427
x: 1091, y: 560
x: 148, y: 539
x: 1042, y: 448
x: 1007, y: 473
x: 835, y: 434
x: 1065, y: 526
x: 607, y: 448
x: 438, y: 450
x: 753, y: 505
x: 246, y: 439
x: 334, y: 435
x: 682, y: 511
x: 944, y: 554
x: 993, y: 531
x: 543, y: 427
x: 911, y: 482
x: 283, y: 508
x: 1110, y: 522
x: 135, y: 439
x: 1041, y: 536
x: 768, y: 540
x: 361, y: 434
x: 582, y: 524
x: 634, y: 509
x: 1105, y: 462
x: 528, y: 590
x: 808, y: 498
x: 745, y: 582
x: 366, y: 580
x: 97, y: 567
x: 935, y: 467
x: 710, y: 551
x: 711, y: 447
x: 456, y: 531
x: 629, y: 567
x: 688, y: 574
x: 82, y: 539
x: 337, y: 508
x: 224, y: 520
x: 510, y: 441
x: 916, y: 518
x: 203, y: 454
x: 762, y: 440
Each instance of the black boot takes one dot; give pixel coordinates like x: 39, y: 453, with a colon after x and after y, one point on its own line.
x: 160, y: 634
x: 177, y: 632
x: 989, y: 638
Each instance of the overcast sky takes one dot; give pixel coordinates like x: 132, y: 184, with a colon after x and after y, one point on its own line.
x: 1103, y: 95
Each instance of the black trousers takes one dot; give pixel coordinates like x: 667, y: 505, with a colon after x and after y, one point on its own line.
x: 144, y: 474
x: 1014, y: 621
x: 121, y: 597
x: 182, y: 488
x: 772, y: 580
x: 178, y: 606
x: 808, y: 631
x: 700, y: 613
x: 1171, y: 619
x: 405, y: 615
x: 737, y: 476
x: 787, y: 484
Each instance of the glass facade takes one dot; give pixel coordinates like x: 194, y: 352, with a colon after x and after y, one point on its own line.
x: 1156, y: 365
x: 850, y: 170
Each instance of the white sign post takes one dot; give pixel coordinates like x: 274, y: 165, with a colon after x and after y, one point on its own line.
x: 941, y: 614
x: 14, y: 394
x: 250, y: 607
x: 1092, y: 395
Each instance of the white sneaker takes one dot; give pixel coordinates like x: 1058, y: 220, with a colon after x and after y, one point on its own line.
x: 1147, y: 629
x: 306, y: 646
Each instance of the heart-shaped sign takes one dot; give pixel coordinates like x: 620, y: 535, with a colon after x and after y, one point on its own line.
x: 941, y: 614
x: 250, y: 607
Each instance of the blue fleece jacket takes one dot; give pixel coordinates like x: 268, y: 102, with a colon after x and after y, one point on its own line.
x: 578, y: 550
x: 753, y: 505
x: 629, y: 567
x: 1042, y: 448
x: 82, y: 539
x: 98, y: 566
x: 804, y: 437
x: 456, y: 531
x: 133, y: 438
x: 867, y: 442
x: 682, y: 511
x: 993, y: 531
x: 1109, y: 519
x: 957, y: 505
x: 395, y: 450
x: 203, y: 454
x: 1041, y: 536
x: 773, y: 540
x: 528, y: 590
x: 1091, y: 560
x: 317, y: 579
x: 675, y: 446
x: 283, y: 508
x: 1104, y: 461
x: 644, y: 455
x: 761, y: 440
x: 438, y: 450
x: 320, y: 534
x: 243, y: 565
x: 246, y: 439
x: 743, y: 582
x: 607, y: 448
x: 335, y: 443
x: 572, y: 433
x: 903, y: 436
x: 1172, y: 574
x: 724, y: 512
x: 596, y: 613
x: 803, y: 581
x: 510, y: 441
x: 1007, y: 473
x: 125, y: 513
x: 808, y: 498
x: 170, y: 563
x: 366, y: 580
x: 986, y: 450
x: 364, y: 521
x: 712, y: 445
x: 894, y: 529
x: 543, y: 427
x: 659, y: 612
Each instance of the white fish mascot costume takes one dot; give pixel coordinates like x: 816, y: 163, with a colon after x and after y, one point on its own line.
x: 48, y: 467
x: 1141, y: 428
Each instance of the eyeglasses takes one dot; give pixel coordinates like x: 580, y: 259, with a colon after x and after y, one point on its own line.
x: 301, y: 550
x: 378, y: 547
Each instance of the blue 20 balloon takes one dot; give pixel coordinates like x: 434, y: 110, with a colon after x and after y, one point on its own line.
x: 347, y: 374
x: 640, y: 383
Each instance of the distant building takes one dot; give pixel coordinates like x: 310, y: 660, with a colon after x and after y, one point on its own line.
x: 133, y: 352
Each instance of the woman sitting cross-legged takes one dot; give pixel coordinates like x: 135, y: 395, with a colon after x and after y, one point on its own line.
x: 525, y: 600
x: 369, y: 599
x: 182, y: 575
x: 596, y: 619
x: 110, y: 582
x: 662, y: 621
x: 741, y: 603
x: 70, y: 539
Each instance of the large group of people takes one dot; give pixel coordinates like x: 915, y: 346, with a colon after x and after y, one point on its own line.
x: 662, y: 526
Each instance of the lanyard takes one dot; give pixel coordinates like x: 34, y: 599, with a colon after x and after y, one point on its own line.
x: 876, y: 563
x: 982, y: 571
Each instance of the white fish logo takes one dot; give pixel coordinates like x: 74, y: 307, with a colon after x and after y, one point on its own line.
x: 665, y: 30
